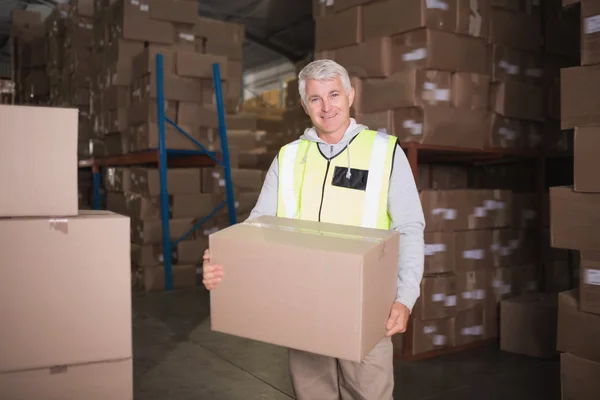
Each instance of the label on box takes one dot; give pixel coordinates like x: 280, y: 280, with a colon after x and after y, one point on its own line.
x: 186, y: 36
x: 415, y: 129
x: 496, y: 283
x: 477, y: 254
x: 429, y: 86
x: 450, y: 301
x: 437, y: 297
x: 479, y: 294
x: 437, y: 5
x: 506, y: 289
x: 441, y: 95
x: 591, y: 24
x: 467, y: 295
x: 415, y: 55
x: 447, y: 213
x: 428, y: 329
x: 592, y: 277
x: 431, y: 249
x: 508, y: 134
x: 480, y: 212
x: 439, y: 340
x: 144, y: 7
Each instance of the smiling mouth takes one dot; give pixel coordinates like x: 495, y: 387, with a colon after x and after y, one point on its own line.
x: 331, y: 117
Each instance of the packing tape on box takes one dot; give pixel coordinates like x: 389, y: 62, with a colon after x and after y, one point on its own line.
x: 59, y: 224
x: 428, y: 329
x: 439, y: 340
x: 475, y: 18
x: 315, y: 232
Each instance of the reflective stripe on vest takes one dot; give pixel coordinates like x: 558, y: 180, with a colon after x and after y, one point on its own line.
x: 311, y: 187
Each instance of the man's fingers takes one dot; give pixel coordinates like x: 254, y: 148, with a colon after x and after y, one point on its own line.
x: 394, y: 314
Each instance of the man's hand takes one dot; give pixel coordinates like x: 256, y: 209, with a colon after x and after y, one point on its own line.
x: 211, y: 274
x: 398, y: 319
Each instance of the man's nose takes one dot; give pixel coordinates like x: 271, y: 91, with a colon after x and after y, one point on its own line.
x: 325, y: 105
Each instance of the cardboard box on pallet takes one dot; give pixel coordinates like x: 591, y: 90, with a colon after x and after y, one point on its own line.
x: 82, y: 262
x: 49, y: 135
x: 342, y: 252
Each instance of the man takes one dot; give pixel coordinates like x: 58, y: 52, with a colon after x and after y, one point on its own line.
x: 341, y: 172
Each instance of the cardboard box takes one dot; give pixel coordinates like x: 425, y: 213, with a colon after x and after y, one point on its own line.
x: 578, y: 377
x: 438, y: 298
x: 150, y: 231
x: 590, y: 282
x: 191, y: 64
x: 585, y: 160
x: 440, y: 126
x: 439, y: 253
x: 472, y: 250
x: 469, y: 326
x: 82, y: 267
x: 180, y: 206
x: 575, y: 220
x: 515, y: 99
x: 210, y: 28
x: 438, y: 50
x: 370, y: 59
x: 525, y: 278
x: 339, y: 30
x: 506, y: 133
x: 406, y: 89
x: 468, y: 209
x: 470, y: 91
x: 391, y: 17
x: 502, y: 284
x: 48, y: 135
x: 146, y: 181
x: 358, y: 268
x: 71, y: 382
x: 578, y: 330
x: 578, y: 104
x: 173, y: 11
x: 447, y: 177
x: 431, y: 335
x: 472, y: 289
x: 196, y: 115
x: 515, y: 29
x: 528, y: 325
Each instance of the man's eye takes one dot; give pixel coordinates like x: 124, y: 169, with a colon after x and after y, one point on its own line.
x: 313, y: 99
x: 335, y: 94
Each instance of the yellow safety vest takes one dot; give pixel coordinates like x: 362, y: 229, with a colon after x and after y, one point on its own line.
x: 315, y: 188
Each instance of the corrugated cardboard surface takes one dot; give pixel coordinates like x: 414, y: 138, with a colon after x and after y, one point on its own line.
x: 441, y: 125
x: 528, y: 325
x: 38, y: 167
x: 577, y: 330
x: 590, y: 282
x: 95, y: 381
x: 370, y: 59
x: 342, y: 314
x: 439, y: 252
x: 438, y: 298
x: 579, y: 378
x: 575, y: 220
x: 586, y: 160
x: 390, y: 17
x: 470, y: 91
x: 469, y: 326
x: 69, y: 301
x: 339, y: 30
x: 579, y: 105
x: 515, y: 29
x: 516, y: 99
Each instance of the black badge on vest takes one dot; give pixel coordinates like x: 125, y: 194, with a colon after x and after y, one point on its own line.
x: 357, y: 181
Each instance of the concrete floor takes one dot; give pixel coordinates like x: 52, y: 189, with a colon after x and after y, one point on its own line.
x: 178, y: 357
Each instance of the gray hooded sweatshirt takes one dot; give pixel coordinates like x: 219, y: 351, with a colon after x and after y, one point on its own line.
x: 404, y: 208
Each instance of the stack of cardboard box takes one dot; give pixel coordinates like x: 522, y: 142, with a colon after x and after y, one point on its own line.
x: 29, y: 57
x: 66, y: 306
x: 55, y: 26
x: 456, y: 73
x: 575, y: 215
x: 477, y: 252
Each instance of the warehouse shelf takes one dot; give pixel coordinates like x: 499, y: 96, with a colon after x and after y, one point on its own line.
x: 418, y: 153
x: 164, y: 158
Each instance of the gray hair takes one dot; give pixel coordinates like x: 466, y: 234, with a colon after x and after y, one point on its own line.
x: 322, y: 70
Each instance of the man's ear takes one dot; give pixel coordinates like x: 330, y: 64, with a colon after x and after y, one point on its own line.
x: 351, y: 95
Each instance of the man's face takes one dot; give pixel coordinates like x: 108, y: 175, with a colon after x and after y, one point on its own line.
x: 328, y: 104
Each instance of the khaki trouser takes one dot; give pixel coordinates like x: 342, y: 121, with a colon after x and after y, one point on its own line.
x: 316, y: 377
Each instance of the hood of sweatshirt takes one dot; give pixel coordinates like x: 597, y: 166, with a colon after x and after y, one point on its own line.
x: 331, y: 150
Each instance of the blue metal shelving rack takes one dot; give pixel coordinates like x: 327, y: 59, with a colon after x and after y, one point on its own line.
x: 164, y: 157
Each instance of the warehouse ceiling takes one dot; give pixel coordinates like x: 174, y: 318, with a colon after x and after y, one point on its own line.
x: 276, y: 30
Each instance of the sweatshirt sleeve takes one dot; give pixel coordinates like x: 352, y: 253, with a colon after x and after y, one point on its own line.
x: 406, y: 213
x: 267, y: 200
